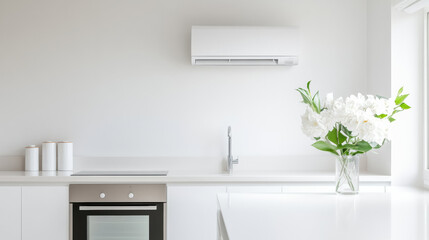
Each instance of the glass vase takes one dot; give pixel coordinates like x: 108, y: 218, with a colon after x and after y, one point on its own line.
x: 347, y: 174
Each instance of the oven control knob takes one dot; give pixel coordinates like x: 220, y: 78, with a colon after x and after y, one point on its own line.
x: 102, y: 195
x: 131, y: 195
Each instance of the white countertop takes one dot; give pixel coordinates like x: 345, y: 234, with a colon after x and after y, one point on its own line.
x: 400, y: 214
x: 21, y: 177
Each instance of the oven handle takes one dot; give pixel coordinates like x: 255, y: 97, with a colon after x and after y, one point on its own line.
x: 116, y: 208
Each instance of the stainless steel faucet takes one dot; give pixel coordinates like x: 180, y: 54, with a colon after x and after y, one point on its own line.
x: 231, y: 160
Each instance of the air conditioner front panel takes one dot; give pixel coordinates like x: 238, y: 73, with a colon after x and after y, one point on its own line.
x: 221, y: 41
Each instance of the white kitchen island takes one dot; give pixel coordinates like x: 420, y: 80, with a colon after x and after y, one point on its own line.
x: 399, y: 214
x: 192, y: 197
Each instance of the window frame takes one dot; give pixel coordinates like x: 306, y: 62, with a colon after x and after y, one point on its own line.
x: 425, y: 99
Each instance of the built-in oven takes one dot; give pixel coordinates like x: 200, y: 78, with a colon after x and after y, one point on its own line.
x: 117, y: 212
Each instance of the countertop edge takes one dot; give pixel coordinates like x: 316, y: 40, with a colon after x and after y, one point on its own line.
x: 187, y: 179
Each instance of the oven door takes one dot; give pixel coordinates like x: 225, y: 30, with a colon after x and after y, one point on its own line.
x: 114, y: 221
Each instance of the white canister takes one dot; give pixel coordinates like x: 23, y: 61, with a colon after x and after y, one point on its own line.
x: 65, y: 156
x: 49, y: 156
x: 31, y: 158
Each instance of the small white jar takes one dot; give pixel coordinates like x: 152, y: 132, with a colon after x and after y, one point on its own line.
x: 31, y: 158
x: 49, y: 156
x: 65, y: 156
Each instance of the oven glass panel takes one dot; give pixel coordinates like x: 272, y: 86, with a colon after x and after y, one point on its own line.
x: 115, y: 227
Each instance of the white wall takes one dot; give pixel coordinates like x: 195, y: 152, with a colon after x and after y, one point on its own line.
x: 115, y: 77
x: 407, y: 71
x: 379, y: 70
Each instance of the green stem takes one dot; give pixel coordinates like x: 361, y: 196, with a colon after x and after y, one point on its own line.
x: 344, y: 174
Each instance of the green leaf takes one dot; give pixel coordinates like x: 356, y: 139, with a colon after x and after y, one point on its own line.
x: 304, y: 91
x: 325, y: 146
x: 336, y: 137
x: 356, y: 153
x: 400, y: 90
x: 400, y: 99
x: 363, y: 146
x: 396, y: 111
x: 391, y: 119
x: 360, y: 146
x: 316, y: 102
x: 346, y: 131
x: 341, y: 138
x: 305, y: 98
x: 308, y: 86
x: 332, y: 136
x: 381, y: 116
x: 404, y: 106
x: 347, y: 146
x: 314, y: 107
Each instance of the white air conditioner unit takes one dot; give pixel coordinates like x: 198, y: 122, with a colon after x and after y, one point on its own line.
x: 239, y: 45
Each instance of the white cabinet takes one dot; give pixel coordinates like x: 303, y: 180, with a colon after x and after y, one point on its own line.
x: 45, y: 211
x: 254, y: 189
x: 10, y: 213
x: 192, y: 212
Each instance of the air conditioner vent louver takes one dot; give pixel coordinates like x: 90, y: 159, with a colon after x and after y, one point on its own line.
x: 247, y: 46
x: 286, y: 61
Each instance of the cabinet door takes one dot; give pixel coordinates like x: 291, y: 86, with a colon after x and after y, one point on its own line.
x: 192, y: 212
x: 10, y: 213
x: 45, y: 211
x: 254, y: 189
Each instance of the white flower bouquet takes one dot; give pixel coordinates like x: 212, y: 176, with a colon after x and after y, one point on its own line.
x: 349, y: 127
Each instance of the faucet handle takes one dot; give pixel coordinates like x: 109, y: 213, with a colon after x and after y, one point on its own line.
x: 229, y: 131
